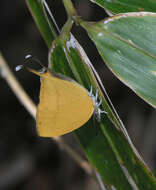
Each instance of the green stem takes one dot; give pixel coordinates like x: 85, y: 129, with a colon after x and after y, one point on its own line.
x: 69, y: 8
x: 66, y: 29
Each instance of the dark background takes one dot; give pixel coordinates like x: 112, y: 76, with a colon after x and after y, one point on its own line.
x: 28, y: 162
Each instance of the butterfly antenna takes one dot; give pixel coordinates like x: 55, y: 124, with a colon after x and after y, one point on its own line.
x: 43, y: 69
x: 28, y: 57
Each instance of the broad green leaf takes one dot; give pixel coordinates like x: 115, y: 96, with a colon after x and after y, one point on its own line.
x: 105, y: 146
x: 132, y: 166
x: 127, y: 43
x: 90, y: 136
x: 38, y: 12
x: 123, y: 6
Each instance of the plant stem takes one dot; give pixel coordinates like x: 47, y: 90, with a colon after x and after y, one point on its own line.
x: 66, y: 29
x: 69, y: 8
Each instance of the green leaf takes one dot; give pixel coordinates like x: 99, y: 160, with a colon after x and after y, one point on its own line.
x: 127, y: 44
x: 104, y: 144
x: 38, y: 12
x: 90, y: 136
x: 123, y: 6
x: 132, y: 166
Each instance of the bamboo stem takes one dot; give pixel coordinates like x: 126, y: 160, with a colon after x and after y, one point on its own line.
x: 69, y: 8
